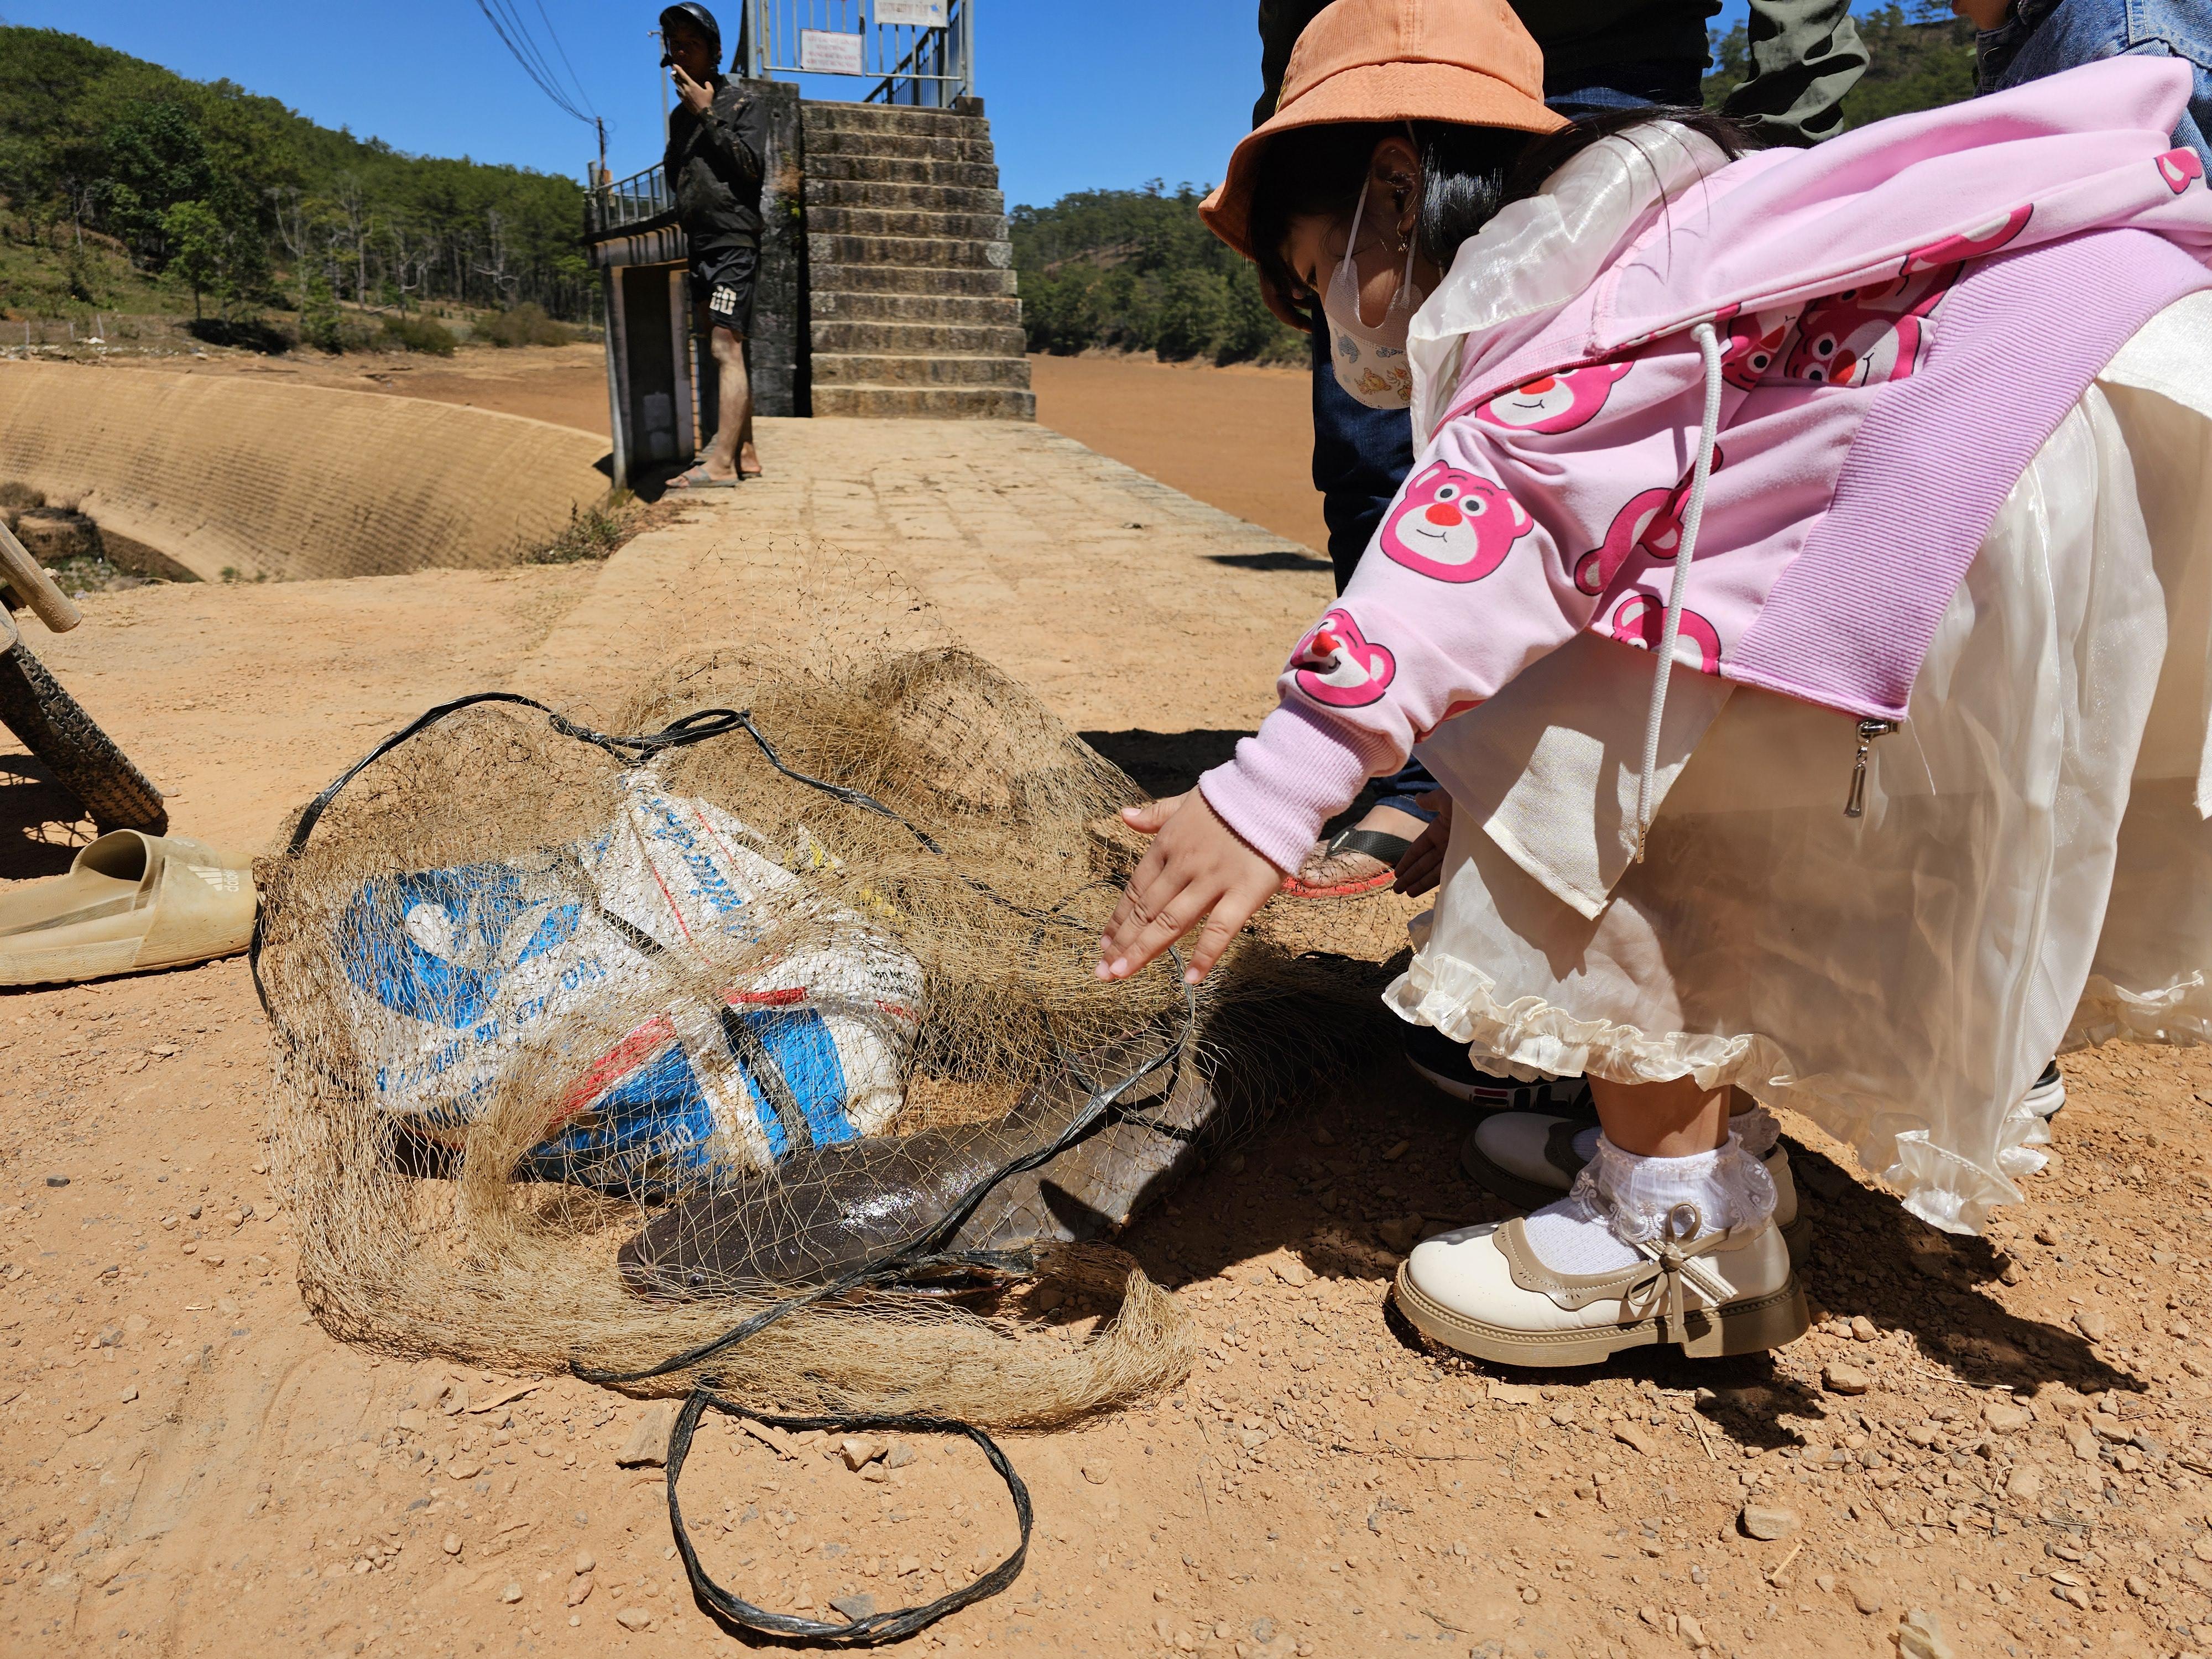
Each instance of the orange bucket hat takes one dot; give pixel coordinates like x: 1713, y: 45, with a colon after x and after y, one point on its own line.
x: 1465, y: 61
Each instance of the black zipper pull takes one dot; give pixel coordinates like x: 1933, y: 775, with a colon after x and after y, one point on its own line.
x: 1868, y: 731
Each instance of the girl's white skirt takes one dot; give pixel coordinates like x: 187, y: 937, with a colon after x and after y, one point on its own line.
x: 2032, y: 871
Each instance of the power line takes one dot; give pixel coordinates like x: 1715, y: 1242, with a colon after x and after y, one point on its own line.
x: 515, y: 35
x: 552, y: 34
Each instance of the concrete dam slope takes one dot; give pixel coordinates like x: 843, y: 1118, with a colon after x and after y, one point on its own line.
x: 231, y: 479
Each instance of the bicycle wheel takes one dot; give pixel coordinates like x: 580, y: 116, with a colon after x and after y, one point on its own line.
x: 83, y: 759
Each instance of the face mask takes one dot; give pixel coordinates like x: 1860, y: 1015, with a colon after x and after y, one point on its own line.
x: 1370, y: 358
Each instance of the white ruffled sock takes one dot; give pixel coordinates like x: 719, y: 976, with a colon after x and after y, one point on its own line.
x: 1619, y: 1198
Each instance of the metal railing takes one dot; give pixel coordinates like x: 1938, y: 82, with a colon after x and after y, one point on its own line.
x: 626, y: 203
x: 917, y: 52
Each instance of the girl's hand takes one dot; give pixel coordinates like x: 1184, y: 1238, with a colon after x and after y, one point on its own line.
x: 1196, y: 866
x: 1424, y: 862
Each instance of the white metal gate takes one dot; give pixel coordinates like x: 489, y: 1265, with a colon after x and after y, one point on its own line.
x: 916, y: 51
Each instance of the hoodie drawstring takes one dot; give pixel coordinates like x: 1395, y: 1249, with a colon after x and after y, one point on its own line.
x: 1709, y: 348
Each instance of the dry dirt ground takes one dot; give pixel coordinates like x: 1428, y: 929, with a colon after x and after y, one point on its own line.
x: 2010, y: 1439
x: 565, y: 384
x: 1240, y: 439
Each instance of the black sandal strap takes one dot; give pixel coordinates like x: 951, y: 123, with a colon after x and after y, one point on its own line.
x: 1378, y: 844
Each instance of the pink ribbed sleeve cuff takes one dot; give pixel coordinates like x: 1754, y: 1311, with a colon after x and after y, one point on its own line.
x: 1286, y: 782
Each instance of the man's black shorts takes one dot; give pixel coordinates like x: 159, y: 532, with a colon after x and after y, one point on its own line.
x: 722, y: 287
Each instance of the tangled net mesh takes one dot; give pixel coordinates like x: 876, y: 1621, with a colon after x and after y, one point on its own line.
x: 586, y: 1056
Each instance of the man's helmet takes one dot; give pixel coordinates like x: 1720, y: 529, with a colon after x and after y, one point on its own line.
x: 698, y: 17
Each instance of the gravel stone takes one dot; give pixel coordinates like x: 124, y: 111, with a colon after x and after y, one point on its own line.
x: 1400, y: 1233
x: 649, y: 1438
x: 1844, y: 1379
x: 1768, y: 1522
x: 1920, y: 1637
x: 860, y: 1451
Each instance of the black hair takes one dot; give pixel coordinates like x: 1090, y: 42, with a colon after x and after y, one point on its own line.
x: 1468, y: 174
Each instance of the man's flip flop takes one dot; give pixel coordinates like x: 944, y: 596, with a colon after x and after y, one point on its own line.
x: 129, y: 902
x: 1377, y: 844
x: 696, y: 478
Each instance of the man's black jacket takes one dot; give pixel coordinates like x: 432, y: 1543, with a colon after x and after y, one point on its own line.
x: 714, y: 165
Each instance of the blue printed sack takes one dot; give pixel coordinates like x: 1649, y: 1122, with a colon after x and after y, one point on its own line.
x: 455, y: 975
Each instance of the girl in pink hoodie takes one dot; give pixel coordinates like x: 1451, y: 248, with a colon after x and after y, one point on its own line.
x: 1785, y: 598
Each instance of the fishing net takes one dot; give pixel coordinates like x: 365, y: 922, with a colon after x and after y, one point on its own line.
x: 763, y: 1051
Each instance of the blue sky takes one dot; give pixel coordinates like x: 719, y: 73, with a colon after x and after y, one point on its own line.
x: 1079, y: 96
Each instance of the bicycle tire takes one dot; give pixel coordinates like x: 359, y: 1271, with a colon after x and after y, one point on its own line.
x: 83, y: 759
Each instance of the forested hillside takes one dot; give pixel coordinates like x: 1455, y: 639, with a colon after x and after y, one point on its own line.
x: 243, y: 203
x: 1134, y: 269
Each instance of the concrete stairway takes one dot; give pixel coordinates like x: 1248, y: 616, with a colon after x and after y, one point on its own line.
x: 911, y: 277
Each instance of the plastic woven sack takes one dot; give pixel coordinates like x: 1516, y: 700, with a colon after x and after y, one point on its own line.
x: 452, y: 972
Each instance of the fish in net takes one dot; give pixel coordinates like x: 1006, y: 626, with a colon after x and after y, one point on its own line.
x: 758, y: 1056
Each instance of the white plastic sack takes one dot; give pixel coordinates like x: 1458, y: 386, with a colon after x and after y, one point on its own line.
x: 453, y: 973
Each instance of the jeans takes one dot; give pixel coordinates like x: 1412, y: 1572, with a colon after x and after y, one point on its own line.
x: 2045, y: 36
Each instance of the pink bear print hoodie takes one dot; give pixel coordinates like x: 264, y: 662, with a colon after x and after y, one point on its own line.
x: 1899, y: 318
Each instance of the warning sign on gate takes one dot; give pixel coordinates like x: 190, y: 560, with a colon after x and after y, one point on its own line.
x: 829, y: 52
x: 922, y: 13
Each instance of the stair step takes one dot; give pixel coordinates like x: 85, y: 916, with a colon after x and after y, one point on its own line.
x: 831, y: 165
x: 1002, y: 310
x: 869, y: 369
x: 828, y: 276
x: 938, y: 403
x: 883, y: 146
x: 925, y: 252
x: 915, y: 313
x: 900, y: 195
x: 917, y: 339
x: 828, y: 115
x: 905, y: 223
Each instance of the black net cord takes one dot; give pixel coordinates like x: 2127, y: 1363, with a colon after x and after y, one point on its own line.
x: 694, y: 727
x: 872, y: 1628
x: 921, y: 1252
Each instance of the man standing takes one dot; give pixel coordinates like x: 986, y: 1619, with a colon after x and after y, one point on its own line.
x: 717, y: 138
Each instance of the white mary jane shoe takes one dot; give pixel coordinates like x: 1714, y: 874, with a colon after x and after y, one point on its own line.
x: 1483, y: 1292
x: 1529, y: 1160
